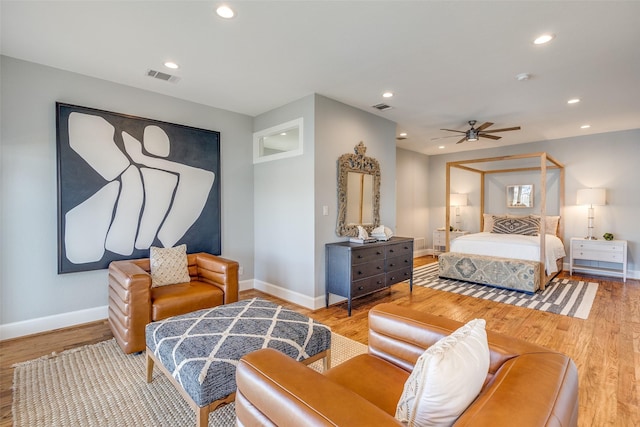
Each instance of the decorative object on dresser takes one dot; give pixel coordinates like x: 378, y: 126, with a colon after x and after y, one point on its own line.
x: 358, y: 192
x: 440, y: 239
x: 591, y: 197
x: 354, y: 270
x: 605, y: 257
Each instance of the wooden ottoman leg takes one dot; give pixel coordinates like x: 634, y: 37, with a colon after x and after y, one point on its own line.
x: 149, y: 366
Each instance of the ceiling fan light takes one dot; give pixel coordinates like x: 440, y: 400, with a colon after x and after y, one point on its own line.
x: 472, y: 138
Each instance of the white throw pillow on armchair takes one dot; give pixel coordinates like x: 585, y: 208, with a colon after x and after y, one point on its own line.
x: 169, y: 265
x: 447, y: 377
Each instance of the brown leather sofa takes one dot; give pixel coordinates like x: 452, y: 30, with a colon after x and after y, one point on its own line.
x: 527, y: 385
x: 133, y: 303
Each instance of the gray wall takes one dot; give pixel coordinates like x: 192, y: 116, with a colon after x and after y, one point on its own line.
x: 284, y: 219
x: 30, y: 286
x: 608, y: 160
x: 412, y: 207
x: 339, y: 128
x: 290, y: 194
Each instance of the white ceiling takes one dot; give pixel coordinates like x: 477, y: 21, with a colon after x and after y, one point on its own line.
x: 446, y: 61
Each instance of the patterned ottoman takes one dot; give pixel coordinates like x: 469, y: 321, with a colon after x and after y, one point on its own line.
x: 199, y: 351
x: 515, y: 274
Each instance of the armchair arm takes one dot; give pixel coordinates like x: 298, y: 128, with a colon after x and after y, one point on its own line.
x: 274, y: 389
x: 129, y: 304
x: 220, y: 272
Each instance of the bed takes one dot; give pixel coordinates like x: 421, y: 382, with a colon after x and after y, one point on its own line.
x: 525, y: 260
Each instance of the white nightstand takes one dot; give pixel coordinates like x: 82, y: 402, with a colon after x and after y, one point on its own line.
x: 440, y: 239
x: 605, y: 257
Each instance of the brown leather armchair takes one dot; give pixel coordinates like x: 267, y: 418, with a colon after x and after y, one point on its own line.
x: 133, y: 303
x: 527, y: 385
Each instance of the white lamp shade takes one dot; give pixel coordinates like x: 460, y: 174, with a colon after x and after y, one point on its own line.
x: 458, y: 199
x: 591, y: 196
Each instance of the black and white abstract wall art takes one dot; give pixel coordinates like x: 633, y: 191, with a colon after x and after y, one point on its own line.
x: 128, y: 183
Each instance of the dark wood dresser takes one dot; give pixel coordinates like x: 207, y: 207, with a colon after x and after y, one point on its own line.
x: 357, y: 269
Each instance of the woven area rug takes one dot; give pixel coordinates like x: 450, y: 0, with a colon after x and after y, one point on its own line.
x: 98, y: 385
x: 562, y: 296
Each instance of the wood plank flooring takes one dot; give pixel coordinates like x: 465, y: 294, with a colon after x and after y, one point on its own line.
x: 605, y: 347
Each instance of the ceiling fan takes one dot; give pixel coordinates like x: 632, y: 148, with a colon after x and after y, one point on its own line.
x: 474, y: 133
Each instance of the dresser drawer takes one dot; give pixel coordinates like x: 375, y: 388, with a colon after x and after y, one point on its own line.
x: 596, y: 255
x: 598, y: 247
x: 439, y: 239
x: 368, y: 285
x: 360, y: 271
x: 367, y: 254
x: 398, y: 276
x: 398, y: 249
x: 396, y: 263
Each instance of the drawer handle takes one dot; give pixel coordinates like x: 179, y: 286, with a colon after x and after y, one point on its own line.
x: 359, y: 256
x: 379, y: 282
x: 379, y: 268
x: 378, y: 253
x: 360, y: 288
x: 391, y: 265
x: 393, y: 277
x: 359, y: 272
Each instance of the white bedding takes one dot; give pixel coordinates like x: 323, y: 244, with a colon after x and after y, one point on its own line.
x: 511, y: 246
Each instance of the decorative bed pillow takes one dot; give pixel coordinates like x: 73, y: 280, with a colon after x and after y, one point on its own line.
x: 447, y: 377
x: 169, y: 265
x: 551, y: 221
x: 487, y: 222
x: 527, y: 226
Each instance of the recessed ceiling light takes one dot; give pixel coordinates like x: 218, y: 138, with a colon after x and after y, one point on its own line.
x: 544, y: 38
x: 441, y: 147
x: 585, y: 126
x: 523, y: 77
x: 573, y: 101
x: 225, y: 11
x: 387, y: 94
x: 403, y: 134
x: 171, y: 65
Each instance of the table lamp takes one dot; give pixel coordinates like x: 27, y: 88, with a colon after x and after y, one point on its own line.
x: 591, y: 197
x: 457, y: 200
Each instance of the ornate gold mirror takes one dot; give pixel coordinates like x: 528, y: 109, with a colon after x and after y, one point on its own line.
x: 358, y: 192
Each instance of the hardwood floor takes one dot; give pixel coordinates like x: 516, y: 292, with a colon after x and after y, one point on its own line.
x: 605, y: 347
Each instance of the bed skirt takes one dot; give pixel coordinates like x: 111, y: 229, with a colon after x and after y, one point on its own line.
x: 508, y: 273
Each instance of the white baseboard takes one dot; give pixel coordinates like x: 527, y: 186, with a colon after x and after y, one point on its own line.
x: 49, y: 323
x: 288, y: 295
x: 245, y: 285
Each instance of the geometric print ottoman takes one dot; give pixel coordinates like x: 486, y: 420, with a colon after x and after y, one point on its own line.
x: 199, y: 351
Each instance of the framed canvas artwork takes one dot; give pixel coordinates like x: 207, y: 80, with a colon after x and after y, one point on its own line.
x: 128, y: 183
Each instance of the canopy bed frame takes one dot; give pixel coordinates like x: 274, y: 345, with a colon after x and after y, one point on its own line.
x: 546, y: 163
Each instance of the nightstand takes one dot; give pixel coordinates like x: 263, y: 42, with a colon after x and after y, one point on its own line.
x: 604, y: 257
x: 440, y: 239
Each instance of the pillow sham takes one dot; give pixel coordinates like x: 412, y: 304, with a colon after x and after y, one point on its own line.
x: 447, y: 377
x: 527, y: 226
x: 551, y: 221
x: 169, y: 265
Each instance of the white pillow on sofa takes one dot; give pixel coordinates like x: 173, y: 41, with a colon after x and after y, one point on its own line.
x: 169, y: 265
x: 447, y: 377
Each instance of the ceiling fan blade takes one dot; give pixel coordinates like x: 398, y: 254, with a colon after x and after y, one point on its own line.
x: 502, y: 130
x: 442, y: 137
x: 484, y: 135
x: 462, y: 140
x: 453, y: 130
x: 484, y: 126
